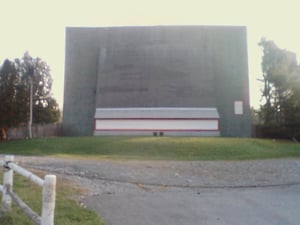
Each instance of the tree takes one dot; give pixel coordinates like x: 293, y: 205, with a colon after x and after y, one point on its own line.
x: 15, y: 90
x: 45, y: 107
x: 281, y: 94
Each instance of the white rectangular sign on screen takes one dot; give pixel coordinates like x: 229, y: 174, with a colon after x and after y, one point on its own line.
x: 238, y: 108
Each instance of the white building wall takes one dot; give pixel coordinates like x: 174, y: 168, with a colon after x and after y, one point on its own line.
x: 157, y: 121
x: 157, y: 125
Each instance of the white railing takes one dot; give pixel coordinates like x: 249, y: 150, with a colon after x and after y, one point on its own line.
x: 48, y: 194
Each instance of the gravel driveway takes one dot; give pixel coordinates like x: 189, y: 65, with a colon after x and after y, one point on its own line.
x: 184, y: 193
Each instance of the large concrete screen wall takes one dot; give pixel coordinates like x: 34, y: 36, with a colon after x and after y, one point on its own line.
x: 177, y: 66
x: 155, y: 69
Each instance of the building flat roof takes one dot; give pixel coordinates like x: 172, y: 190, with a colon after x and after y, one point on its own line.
x: 157, y: 113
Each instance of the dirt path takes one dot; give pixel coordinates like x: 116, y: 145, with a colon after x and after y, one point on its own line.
x: 184, y: 193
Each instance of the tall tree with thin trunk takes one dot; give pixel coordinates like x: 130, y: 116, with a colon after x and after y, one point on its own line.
x: 281, y: 77
x: 15, y: 91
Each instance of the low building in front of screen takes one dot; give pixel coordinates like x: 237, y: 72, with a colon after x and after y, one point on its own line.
x: 160, y: 80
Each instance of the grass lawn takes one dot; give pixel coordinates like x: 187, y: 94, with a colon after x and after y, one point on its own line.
x: 67, y: 210
x: 142, y: 148
x: 154, y: 148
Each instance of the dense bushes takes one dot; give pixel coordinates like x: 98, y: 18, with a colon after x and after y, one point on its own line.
x: 277, y: 132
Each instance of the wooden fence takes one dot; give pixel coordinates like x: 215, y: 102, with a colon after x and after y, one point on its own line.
x: 48, y: 194
x: 38, y: 130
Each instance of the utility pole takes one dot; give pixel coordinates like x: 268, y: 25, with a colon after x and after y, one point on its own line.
x: 30, y: 74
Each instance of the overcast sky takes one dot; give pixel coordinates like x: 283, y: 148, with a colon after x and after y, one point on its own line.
x: 38, y: 26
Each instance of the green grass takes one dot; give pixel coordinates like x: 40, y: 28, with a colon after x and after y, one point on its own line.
x: 154, y: 148
x: 142, y: 148
x: 67, y: 210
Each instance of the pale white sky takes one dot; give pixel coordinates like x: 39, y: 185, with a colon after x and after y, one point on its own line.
x: 39, y: 25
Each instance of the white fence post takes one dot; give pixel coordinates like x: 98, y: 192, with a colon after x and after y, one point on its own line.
x: 7, y: 182
x: 48, y: 200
